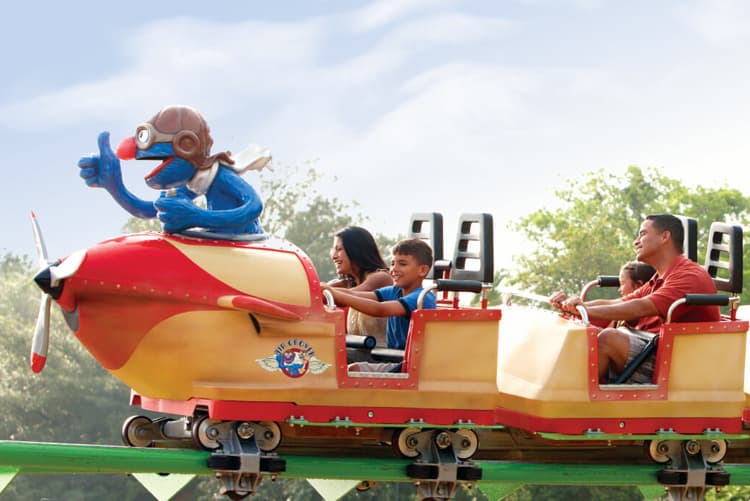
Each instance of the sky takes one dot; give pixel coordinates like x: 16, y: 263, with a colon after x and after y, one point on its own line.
x: 403, y: 106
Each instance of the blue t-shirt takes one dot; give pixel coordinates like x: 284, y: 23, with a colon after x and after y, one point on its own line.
x: 398, y: 327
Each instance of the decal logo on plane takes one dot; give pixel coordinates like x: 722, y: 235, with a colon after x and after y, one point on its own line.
x: 294, y: 358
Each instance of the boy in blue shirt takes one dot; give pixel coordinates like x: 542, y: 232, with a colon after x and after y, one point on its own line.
x: 411, y: 262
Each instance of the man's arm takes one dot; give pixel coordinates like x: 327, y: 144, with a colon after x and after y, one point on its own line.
x: 622, y: 310
x: 568, y: 304
x: 610, y: 309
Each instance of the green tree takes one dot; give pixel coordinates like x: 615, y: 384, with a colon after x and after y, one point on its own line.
x: 294, y: 209
x: 72, y: 400
x: 592, y: 230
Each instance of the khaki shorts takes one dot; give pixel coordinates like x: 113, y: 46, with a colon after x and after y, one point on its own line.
x: 645, y: 373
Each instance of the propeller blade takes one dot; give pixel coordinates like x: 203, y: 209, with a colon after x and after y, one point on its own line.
x: 67, y: 268
x: 41, y: 249
x: 40, y: 342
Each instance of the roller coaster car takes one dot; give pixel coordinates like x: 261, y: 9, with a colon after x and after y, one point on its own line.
x: 235, y: 337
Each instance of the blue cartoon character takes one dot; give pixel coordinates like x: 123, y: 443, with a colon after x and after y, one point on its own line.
x: 180, y: 138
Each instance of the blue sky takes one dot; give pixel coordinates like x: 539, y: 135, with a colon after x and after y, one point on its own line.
x: 410, y: 105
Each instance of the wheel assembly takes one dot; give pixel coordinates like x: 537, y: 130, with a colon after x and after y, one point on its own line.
x: 658, y: 451
x: 467, y: 445
x: 269, y: 436
x: 134, y: 432
x: 714, y: 450
x: 405, y: 442
x: 205, y: 433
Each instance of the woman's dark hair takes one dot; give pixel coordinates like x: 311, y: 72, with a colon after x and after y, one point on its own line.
x: 362, y: 250
x: 638, y: 272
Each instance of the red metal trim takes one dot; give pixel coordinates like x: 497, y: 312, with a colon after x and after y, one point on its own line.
x: 631, y: 426
x: 282, y: 411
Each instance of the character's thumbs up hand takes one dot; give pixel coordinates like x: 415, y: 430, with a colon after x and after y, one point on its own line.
x: 102, y: 170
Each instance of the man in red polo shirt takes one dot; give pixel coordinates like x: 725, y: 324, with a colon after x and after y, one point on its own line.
x: 659, y: 244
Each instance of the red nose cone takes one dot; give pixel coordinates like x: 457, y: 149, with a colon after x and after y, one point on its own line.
x: 126, y: 149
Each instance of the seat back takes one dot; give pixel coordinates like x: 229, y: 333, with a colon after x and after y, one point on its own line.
x: 724, y: 256
x: 473, y: 258
x: 690, y: 241
x: 428, y: 226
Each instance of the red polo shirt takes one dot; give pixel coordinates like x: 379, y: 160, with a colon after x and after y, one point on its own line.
x: 682, y: 277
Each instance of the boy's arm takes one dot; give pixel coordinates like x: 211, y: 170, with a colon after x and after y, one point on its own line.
x: 367, y: 303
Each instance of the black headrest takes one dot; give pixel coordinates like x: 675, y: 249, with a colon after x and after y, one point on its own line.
x: 724, y: 256
x: 690, y: 242
x: 428, y: 226
x: 474, y: 255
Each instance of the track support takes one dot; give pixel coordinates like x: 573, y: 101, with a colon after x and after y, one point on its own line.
x: 691, y: 468
x: 239, y: 463
x: 438, y: 470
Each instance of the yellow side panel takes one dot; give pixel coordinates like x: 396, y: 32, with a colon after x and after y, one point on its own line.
x: 460, y: 357
x: 214, y: 354
x: 541, y: 356
x: 276, y: 276
x: 707, y: 366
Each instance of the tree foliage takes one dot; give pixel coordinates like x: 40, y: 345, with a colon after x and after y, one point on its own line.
x: 592, y: 231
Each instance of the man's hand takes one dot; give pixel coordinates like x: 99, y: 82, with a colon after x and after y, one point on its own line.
x: 557, y: 299
x: 561, y: 302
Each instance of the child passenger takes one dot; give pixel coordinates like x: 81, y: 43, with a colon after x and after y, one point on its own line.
x: 634, y: 274
x: 411, y: 262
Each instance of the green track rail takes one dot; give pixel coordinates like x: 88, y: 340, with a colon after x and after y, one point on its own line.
x: 51, y: 458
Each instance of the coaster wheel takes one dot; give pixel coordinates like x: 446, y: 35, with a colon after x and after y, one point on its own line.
x: 469, y: 443
x: 270, y: 436
x: 658, y: 451
x: 714, y: 450
x: 205, y: 434
x: 405, y: 443
x: 131, y: 436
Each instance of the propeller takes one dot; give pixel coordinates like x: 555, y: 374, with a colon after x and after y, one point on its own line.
x: 49, y: 279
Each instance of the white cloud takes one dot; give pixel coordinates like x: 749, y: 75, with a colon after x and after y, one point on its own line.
x: 718, y: 21
x: 182, y: 61
x: 383, y: 12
